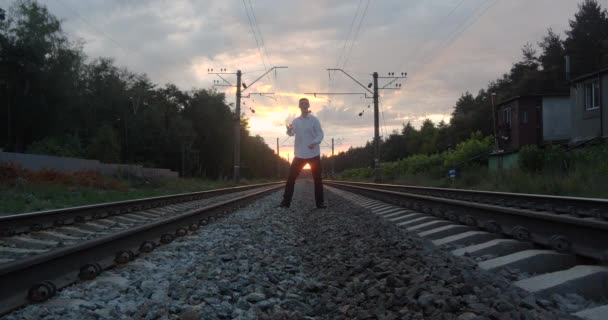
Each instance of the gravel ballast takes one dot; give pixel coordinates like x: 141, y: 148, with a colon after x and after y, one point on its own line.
x: 264, y: 262
x: 107, y: 225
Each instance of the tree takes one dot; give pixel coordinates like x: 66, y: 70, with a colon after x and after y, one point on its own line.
x: 410, y: 136
x: 525, y: 75
x: 57, y: 102
x: 393, y: 148
x: 172, y: 102
x: 212, y: 123
x: 63, y: 146
x: 461, y: 122
x: 105, y: 146
x: 443, y: 141
x: 33, y: 43
x: 428, y: 137
x: 552, y: 63
x: 586, y: 39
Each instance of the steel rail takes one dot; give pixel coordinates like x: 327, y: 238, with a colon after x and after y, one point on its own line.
x: 37, y: 278
x: 39, y: 220
x: 578, y: 206
x: 583, y: 236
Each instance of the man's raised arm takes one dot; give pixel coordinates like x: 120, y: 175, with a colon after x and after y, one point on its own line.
x: 290, y: 130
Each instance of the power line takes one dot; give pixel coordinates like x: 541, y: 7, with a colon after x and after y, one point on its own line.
x: 451, y: 36
x: 384, y: 134
x: 359, y: 72
x: 342, y: 51
x: 261, y: 44
x: 94, y: 27
x: 255, y: 71
x: 257, y: 42
x: 257, y: 26
x: 352, y: 23
x: 107, y: 36
x: 479, y: 12
x: 287, y: 138
x: 352, y: 43
x: 346, y: 54
x: 432, y: 32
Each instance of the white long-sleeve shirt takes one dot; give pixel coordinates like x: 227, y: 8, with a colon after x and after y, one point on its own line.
x: 307, y: 131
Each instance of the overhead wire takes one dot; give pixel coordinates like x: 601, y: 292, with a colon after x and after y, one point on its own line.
x: 427, y: 38
x: 264, y: 50
x: 384, y: 131
x: 110, y: 38
x: 255, y: 37
x: 352, y: 23
x: 96, y: 29
x: 254, y: 71
x: 257, y: 26
x: 354, y: 41
x: 359, y: 72
x: 478, y: 13
x: 481, y: 10
x: 342, y: 51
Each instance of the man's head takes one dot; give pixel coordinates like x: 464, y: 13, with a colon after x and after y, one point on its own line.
x: 304, y: 104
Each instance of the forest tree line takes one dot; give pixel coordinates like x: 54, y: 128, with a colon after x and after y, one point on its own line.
x: 57, y: 101
x: 540, y: 70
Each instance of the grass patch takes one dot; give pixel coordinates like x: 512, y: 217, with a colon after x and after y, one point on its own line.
x: 26, y: 191
x: 578, y: 183
x: 551, y: 170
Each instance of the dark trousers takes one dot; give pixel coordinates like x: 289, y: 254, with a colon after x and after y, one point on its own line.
x: 294, y: 170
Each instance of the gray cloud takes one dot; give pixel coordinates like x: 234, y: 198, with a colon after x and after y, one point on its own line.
x: 177, y: 40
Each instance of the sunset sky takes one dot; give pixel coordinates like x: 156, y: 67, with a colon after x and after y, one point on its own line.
x: 447, y: 47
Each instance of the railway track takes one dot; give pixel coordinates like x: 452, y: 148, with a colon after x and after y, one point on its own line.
x: 545, y: 244
x: 43, y: 252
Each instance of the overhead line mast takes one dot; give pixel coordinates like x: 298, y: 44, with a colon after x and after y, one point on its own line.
x: 239, y: 94
x: 375, y: 97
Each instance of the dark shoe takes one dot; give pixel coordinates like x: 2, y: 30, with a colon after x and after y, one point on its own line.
x: 321, y: 206
x: 284, y: 205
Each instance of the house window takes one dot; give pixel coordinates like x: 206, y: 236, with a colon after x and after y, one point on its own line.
x: 592, y: 95
x: 524, y: 117
x: 506, y: 116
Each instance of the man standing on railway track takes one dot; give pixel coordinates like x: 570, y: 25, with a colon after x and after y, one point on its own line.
x: 309, y: 135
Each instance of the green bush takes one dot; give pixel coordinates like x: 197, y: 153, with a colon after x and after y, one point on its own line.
x: 591, y: 158
x: 433, y: 165
x: 530, y: 159
x: 541, y: 170
x: 105, y: 146
x: 390, y: 170
x: 475, y: 146
x: 357, y: 173
x: 555, y: 158
x: 62, y: 146
x: 422, y: 163
x: 549, y: 159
